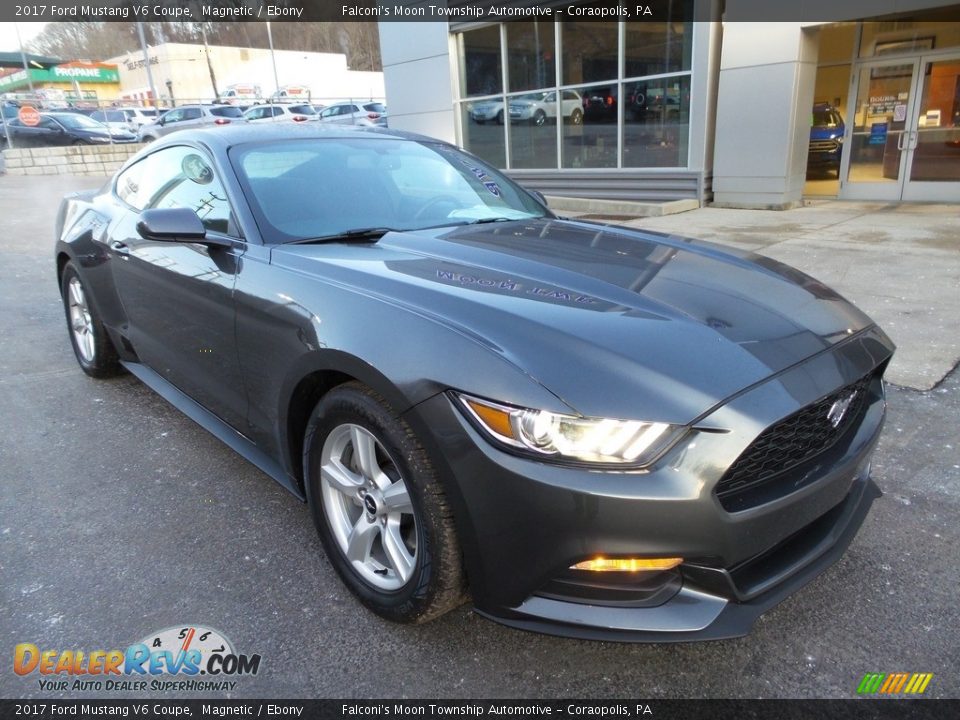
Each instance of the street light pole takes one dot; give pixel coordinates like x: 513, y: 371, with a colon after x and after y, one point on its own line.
x: 23, y: 57
x: 273, y: 59
x: 146, y: 65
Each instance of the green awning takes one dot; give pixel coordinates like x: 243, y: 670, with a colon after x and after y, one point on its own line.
x: 14, y: 60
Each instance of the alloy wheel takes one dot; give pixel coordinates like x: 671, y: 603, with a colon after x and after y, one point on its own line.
x: 81, y: 324
x: 367, y: 506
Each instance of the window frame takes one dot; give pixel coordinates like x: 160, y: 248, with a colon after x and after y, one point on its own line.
x: 218, y: 175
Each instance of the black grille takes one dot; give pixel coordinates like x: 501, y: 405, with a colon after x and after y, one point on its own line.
x: 791, y: 442
x: 823, y: 145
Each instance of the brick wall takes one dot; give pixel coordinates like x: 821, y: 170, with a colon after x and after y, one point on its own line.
x: 72, y: 160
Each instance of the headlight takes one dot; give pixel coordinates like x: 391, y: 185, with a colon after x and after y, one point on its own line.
x: 99, y: 138
x: 568, y: 437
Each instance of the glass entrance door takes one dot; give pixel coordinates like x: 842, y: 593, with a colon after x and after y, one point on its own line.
x: 878, y: 134
x: 933, y: 145
x: 903, y: 136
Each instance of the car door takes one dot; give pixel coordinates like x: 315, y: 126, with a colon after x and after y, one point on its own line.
x: 44, y: 134
x: 178, y: 297
x: 194, y: 117
x: 170, y: 121
x: 256, y: 114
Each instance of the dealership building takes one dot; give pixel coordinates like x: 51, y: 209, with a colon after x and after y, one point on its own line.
x: 702, y: 101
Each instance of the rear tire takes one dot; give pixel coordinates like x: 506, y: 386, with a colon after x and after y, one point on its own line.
x: 379, y: 508
x: 91, y: 344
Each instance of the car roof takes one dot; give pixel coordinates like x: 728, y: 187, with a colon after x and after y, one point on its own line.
x: 224, y: 138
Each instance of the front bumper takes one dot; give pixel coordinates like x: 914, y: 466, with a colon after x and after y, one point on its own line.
x: 522, y: 523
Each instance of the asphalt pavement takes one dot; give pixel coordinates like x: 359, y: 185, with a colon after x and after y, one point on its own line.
x: 119, y: 517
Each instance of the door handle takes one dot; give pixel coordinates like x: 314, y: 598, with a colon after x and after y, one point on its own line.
x: 120, y: 248
x: 900, y: 140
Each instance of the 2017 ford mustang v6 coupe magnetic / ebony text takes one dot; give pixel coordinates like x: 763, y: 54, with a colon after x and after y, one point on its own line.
x: 588, y: 430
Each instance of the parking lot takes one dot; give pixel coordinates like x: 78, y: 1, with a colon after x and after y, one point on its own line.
x: 120, y: 517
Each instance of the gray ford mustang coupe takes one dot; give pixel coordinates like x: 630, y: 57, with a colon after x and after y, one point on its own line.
x: 586, y: 430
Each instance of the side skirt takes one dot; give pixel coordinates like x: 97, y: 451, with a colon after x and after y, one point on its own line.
x: 214, y: 425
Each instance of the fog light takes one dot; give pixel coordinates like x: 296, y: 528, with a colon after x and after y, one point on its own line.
x: 602, y: 564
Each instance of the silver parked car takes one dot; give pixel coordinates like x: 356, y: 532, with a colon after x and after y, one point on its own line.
x: 355, y: 113
x: 191, y: 116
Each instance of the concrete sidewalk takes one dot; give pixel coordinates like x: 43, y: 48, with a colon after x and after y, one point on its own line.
x: 899, y: 263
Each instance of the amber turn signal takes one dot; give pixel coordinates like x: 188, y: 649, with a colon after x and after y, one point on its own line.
x: 602, y: 564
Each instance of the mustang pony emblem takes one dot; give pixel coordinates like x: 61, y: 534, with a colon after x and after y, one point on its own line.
x: 839, y: 409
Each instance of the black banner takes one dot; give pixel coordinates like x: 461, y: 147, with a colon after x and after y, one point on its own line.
x: 889, y: 709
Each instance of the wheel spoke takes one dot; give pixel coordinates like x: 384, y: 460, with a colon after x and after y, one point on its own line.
x: 360, y: 540
x: 340, y: 479
x: 87, y: 339
x: 397, y: 499
x: 365, y: 451
x: 397, y: 553
x: 76, y: 294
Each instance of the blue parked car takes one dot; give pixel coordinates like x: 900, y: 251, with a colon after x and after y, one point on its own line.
x: 826, y: 139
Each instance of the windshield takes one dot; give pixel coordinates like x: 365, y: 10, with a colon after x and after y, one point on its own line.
x: 79, y: 122
x: 315, y: 187
x: 303, y: 109
x: 825, y: 118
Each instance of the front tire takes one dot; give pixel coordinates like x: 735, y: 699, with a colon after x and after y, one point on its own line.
x: 94, y: 350
x: 379, y: 508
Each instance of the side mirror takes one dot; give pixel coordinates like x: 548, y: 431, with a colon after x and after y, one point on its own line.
x: 171, y: 224
x: 539, y: 196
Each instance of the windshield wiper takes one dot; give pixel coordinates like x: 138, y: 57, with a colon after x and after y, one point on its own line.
x: 481, y: 221
x: 369, y: 234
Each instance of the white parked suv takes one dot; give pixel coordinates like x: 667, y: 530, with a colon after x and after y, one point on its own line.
x: 280, y: 113
x: 539, y: 107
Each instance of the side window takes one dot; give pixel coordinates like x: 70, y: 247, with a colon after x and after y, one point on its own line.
x: 48, y: 124
x: 191, y: 113
x: 128, y: 184
x: 277, y: 111
x: 173, y: 116
x: 98, y: 115
x: 182, y: 177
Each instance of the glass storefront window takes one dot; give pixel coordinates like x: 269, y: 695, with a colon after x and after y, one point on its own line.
x: 896, y: 37
x: 481, y: 69
x: 592, y: 143
x: 661, y: 47
x: 533, y: 129
x: 531, y: 55
x: 589, y: 52
x: 483, y: 133
x: 656, y: 122
x: 622, y: 98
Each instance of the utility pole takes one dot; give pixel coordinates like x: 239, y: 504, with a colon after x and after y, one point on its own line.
x: 146, y: 65
x: 273, y: 59
x: 23, y: 57
x: 206, y: 50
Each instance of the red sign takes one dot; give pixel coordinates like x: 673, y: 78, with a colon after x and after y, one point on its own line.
x: 29, y: 116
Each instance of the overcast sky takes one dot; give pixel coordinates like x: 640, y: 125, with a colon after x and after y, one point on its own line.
x: 8, y: 34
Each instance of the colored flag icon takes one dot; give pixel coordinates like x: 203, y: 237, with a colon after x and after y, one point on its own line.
x: 894, y: 683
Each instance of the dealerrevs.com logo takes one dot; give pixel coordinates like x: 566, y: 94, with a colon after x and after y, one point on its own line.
x: 183, y: 653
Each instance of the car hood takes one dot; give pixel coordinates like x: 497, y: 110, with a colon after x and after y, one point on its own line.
x: 616, y: 322
x: 825, y: 133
